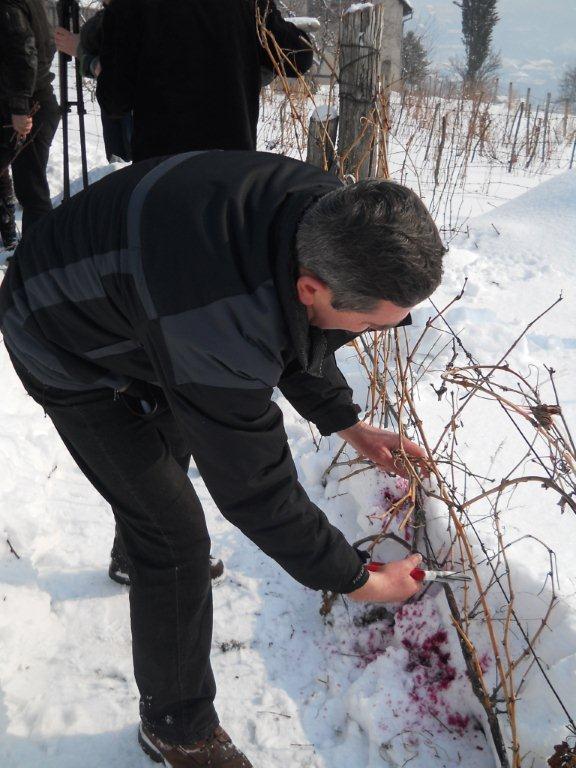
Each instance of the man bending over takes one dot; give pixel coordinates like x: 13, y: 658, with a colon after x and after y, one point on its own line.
x: 152, y: 316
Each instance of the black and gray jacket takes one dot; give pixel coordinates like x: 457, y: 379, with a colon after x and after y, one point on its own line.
x: 181, y: 272
x: 26, y: 52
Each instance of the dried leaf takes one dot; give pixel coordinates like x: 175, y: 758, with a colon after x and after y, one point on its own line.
x: 543, y: 414
x: 563, y: 757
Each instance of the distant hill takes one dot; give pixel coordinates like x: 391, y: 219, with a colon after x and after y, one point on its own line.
x: 537, y: 38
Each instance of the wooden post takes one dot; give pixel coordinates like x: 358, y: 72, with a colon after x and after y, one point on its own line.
x: 495, y: 91
x: 536, y: 133
x: 383, y: 113
x: 359, y: 79
x: 510, y: 97
x: 545, y: 127
x: 513, y: 152
x: 322, y: 137
x: 528, y: 108
x: 440, y: 150
x: 432, y: 127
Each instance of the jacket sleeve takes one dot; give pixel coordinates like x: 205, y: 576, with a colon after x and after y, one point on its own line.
x: 119, y: 56
x: 296, y: 54
x: 90, y: 44
x: 324, y: 400
x: 241, y: 450
x: 20, y: 58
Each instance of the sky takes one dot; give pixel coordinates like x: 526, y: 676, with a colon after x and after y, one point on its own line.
x: 536, y: 38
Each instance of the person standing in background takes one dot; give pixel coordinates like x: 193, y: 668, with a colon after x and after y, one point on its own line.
x: 85, y: 46
x: 29, y: 112
x: 190, y: 71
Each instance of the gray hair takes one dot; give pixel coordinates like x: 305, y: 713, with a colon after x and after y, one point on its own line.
x: 371, y: 241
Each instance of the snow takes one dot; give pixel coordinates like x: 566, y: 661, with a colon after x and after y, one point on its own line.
x: 358, y: 7
x: 307, y: 23
x: 518, y: 258
x: 324, y: 112
x: 296, y: 691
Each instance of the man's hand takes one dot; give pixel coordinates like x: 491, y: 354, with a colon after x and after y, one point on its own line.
x: 22, y: 124
x: 377, y: 445
x: 391, y: 583
x: 66, y: 41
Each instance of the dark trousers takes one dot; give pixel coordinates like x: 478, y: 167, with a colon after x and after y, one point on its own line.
x: 29, y: 165
x: 138, y: 463
x: 117, y: 132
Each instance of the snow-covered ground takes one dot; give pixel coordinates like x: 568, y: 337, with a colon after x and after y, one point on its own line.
x: 293, y: 690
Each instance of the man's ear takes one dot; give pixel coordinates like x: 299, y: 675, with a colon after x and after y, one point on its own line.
x: 309, y: 288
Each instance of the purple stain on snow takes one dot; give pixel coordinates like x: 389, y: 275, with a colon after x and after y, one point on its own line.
x: 459, y: 721
x: 429, y: 667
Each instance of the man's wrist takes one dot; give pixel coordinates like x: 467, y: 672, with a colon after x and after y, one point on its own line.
x: 344, y: 433
x: 364, y: 593
x: 19, y: 107
x: 359, y: 580
x: 337, y: 420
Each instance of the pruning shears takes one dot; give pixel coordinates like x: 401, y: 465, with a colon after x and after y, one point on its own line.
x: 420, y: 574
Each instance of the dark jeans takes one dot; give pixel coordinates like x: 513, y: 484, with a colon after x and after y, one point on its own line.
x: 29, y: 166
x: 138, y: 463
x: 117, y: 133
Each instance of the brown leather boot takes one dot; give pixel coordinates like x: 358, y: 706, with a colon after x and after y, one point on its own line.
x: 217, y: 751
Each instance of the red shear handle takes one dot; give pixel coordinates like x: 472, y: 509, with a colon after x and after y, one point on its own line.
x: 418, y: 574
x: 389, y: 582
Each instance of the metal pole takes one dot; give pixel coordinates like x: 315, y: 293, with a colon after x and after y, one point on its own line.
x: 63, y: 59
x: 80, y: 97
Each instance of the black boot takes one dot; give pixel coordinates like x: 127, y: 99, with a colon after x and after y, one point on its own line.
x: 119, y: 570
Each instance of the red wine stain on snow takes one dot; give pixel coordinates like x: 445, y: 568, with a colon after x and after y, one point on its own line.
x: 429, y: 669
x: 430, y: 666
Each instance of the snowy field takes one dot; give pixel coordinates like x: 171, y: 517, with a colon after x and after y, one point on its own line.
x: 295, y: 691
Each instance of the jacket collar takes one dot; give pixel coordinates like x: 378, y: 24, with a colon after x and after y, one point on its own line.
x: 310, y: 343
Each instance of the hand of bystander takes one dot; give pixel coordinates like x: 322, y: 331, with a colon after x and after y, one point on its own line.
x: 66, y: 41
x: 22, y: 124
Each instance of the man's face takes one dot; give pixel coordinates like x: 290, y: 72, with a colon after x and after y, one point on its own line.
x: 317, y: 298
